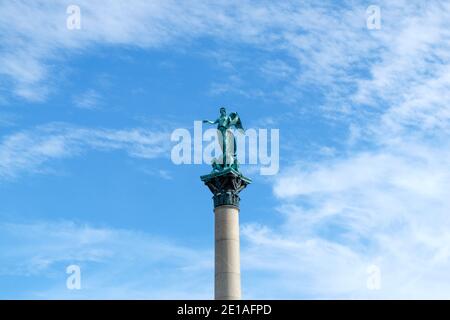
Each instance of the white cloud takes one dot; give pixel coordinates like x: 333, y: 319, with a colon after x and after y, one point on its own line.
x: 115, y: 263
x: 90, y: 99
x: 411, y: 72
x: 164, y: 174
x: 388, y: 207
x: 327, y: 46
x: 31, y: 150
x: 320, y: 39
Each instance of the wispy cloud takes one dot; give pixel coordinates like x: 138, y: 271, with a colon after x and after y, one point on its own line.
x: 115, y: 263
x: 383, y: 199
x: 89, y: 99
x: 321, y: 40
x: 387, y: 207
x: 164, y: 174
x: 30, y: 150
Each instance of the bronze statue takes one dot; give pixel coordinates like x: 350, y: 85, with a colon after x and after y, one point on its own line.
x: 227, y: 140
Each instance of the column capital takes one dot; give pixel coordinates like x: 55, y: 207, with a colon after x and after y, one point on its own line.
x: 225, y: 186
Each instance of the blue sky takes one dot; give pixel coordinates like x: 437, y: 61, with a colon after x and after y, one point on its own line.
x: 86, y: 176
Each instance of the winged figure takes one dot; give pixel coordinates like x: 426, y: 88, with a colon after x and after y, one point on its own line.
x: 227, y: 140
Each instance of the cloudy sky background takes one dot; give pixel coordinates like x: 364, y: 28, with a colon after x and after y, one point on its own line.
x: 85, y: 170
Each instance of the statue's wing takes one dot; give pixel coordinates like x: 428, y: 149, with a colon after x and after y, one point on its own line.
x: 236, y: 121
x: 239, y: 124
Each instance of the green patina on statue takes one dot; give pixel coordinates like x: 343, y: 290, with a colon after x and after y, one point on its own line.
x: 227, y: 140
x: 226, y: 182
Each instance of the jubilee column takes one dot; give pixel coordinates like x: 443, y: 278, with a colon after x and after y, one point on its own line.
x: 226, y: 182
x: 225, y: 186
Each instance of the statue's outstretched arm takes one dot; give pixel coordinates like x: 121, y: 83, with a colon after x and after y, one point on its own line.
x: 211, y: 122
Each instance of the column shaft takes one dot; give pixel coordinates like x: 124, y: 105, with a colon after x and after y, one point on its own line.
x: 227, y: 259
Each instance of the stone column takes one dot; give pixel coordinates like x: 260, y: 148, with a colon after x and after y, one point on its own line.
x: 225, y: 186
x: 227, y: 258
